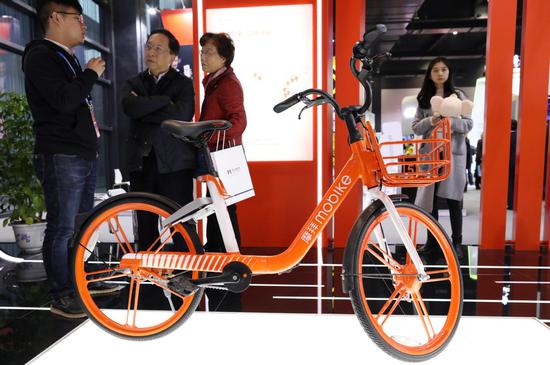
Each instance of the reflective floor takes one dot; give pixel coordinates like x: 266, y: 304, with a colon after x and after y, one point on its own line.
x: 497, y: 283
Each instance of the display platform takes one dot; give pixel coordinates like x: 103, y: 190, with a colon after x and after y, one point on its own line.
x: 261, y: 338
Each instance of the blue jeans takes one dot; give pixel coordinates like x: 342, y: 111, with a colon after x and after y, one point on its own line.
x: 68, y: 182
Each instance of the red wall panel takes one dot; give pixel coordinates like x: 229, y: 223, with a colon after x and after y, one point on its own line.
x: 498, y: 112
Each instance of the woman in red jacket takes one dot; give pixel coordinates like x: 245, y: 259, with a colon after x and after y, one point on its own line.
x: 223, y: 92
x: 223, y: 100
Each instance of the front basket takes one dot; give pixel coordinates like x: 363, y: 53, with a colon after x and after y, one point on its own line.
x: 429, y: 162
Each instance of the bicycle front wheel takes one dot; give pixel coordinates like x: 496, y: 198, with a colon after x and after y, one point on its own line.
x: 144, y: 306
x: 409, y: 318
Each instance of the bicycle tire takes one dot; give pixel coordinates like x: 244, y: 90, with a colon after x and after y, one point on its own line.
x: 388, y: 324
x: 86, y: 244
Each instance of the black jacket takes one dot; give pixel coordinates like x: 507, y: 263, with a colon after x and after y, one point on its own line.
x: 56, y: 96
x: 172, y: 98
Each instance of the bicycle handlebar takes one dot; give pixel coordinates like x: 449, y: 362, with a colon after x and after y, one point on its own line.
x: 285, y: 104
x: 302, y: 96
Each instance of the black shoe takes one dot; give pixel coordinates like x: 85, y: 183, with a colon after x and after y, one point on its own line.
x: 67, y: 307
x: 458, y: 250
x: 98, y: 288
x: 427, y: 249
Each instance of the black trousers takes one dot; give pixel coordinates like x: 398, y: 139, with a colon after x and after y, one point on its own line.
x: 219, y: 300
x: 177, y: 186
x: 214, y: 239
x: 455, y: 212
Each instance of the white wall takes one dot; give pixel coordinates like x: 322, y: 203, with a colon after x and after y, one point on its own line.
x: 391, y: 103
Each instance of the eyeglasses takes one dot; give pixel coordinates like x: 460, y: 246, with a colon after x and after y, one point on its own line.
x: 155, y: 49
x: 208, y: 52
x: 80, y: 18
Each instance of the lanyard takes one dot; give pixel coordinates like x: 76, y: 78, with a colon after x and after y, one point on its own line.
x: 88, y: 98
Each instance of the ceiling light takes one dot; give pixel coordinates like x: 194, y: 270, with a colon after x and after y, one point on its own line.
x: 455, y: 32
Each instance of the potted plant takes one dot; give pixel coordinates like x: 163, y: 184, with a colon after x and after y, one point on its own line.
x: 21, y: 196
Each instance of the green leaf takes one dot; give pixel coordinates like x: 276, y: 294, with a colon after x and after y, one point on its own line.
x: 21, y: 191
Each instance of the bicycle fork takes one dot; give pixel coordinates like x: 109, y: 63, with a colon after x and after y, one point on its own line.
x: 377, y: 194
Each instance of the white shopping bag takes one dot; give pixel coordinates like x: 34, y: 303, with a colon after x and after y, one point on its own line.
x: 233, y: 172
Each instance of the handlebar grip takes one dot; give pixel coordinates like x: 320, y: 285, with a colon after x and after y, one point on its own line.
x: 284, y: 105
x: 372, y: 34
x: 361, y: 48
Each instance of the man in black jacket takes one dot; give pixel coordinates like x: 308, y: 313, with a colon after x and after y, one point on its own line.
x: 158, y: 162
x: 66, y: 145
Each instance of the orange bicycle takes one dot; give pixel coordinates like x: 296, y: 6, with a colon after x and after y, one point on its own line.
x: 409, y: 306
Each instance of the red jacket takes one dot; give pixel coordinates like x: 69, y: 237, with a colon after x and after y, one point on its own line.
x: 224, y: 100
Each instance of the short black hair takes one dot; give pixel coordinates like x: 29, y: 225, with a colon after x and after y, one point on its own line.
x: 223, y: 43
x: 45, y: 8
x: 173, y: 43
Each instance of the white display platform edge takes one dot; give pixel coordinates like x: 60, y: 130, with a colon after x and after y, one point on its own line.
x: 268, y: 338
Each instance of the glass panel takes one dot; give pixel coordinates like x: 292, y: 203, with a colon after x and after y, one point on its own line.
x: 14, y: 25
x: 11, y: 75
x: 170, y: 4
x: 31, y: 2
x: 92, y: 18
x: 84, y: 54
x: 152, y: 15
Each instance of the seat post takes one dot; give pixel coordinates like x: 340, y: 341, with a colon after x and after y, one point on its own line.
x: 205, y: 151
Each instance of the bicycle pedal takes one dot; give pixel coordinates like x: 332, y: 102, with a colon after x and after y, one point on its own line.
x: 181, y: 285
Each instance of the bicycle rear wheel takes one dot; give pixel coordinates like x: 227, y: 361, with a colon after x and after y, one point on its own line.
x: 409, y: 319
x: 145, y: 307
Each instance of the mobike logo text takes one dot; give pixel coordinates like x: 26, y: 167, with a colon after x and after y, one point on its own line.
x: 333, y: 199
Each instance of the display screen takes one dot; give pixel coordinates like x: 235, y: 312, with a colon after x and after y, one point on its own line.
x: 273, y: 60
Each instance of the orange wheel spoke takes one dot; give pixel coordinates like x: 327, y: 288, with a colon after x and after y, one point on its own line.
x: 443, y: 275
x: 105, y: 278
x: 436, y: 280
x: 158, y: 239
x: 436, y: 272
x: 388, y: 302
x: 392, y: 299
x: 99, y: 272
x: 121, y: 238
x: 383, y: 258
x: 423, y: 314
x: 136, y: 301
x: 415, y: 235
x: 392, y: 309
x: 130, y: 249
x: 130, y: 294
x: 413, y: 230
x: 163, y: 243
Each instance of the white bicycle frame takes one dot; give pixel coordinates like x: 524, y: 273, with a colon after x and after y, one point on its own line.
x: 377, y: 194
x: 203, y: 207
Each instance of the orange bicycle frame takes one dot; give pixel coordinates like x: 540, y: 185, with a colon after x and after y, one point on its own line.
x: 366, y: 163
